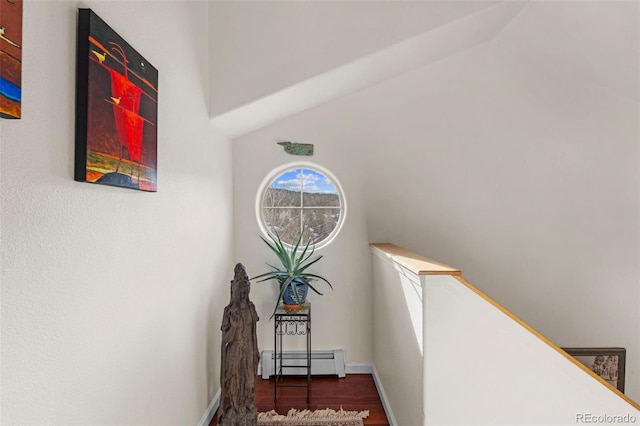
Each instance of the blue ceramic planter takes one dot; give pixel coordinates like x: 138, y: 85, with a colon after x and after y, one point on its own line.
x: 289, y: 297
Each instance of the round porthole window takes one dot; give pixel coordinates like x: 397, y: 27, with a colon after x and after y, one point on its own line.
x: 301, y: 198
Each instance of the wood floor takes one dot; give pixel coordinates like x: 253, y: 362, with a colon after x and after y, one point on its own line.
x: 354, y: 392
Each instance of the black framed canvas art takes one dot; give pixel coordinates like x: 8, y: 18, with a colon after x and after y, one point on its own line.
x: 116, y: 109
x: 10, y: 58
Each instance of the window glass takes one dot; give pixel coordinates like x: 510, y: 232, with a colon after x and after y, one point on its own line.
x: 305, y: 200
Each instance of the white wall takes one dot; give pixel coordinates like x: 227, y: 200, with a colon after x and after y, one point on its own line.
x: 342, y: 317
x: 112, y: 298
x: 524, y: 176
x: 398, y: 338
x: 514, y: 162
x: 481, y: 366
x: 502, y: 374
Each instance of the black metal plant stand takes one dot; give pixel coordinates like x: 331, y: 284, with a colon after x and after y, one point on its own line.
x: 291, y: 323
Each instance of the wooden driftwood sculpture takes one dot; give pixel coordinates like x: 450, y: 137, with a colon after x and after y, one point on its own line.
x: 240, y: 356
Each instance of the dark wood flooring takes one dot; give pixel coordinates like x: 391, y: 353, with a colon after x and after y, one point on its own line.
x: 354, y: 392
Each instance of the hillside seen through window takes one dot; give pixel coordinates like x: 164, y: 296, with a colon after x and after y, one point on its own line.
x: 304, y: 201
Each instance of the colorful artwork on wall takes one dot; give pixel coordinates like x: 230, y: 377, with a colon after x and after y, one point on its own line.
x: 116, y: 109
x: 10, y: 58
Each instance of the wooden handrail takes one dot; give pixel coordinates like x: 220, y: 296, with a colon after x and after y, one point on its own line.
x: 417, y: 264
x: 421, y: 265
x: 547, y: 341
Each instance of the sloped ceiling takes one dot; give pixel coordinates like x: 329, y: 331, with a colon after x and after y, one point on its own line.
x: 273, y: 59
x: 598, y: 41
x: 261, y: 47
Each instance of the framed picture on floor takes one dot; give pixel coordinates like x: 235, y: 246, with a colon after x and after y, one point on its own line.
x: 116, y: 109
x: 608, y: 363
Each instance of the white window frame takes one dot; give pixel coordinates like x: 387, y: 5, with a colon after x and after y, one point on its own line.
x: 273, y: 174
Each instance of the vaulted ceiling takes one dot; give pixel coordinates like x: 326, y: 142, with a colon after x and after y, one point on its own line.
x: 270, y: 60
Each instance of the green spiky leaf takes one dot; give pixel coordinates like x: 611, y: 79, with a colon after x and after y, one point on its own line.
x: 294, y: 264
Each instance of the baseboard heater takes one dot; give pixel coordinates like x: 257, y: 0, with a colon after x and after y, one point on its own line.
x: 329, y: 362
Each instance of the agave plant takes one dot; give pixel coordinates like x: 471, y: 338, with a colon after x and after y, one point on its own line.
x: 293, y: 273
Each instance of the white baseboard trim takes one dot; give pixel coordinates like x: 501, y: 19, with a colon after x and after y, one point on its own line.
x: 358, y: 368
x: 383, y: 397
x: 211, y: 411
